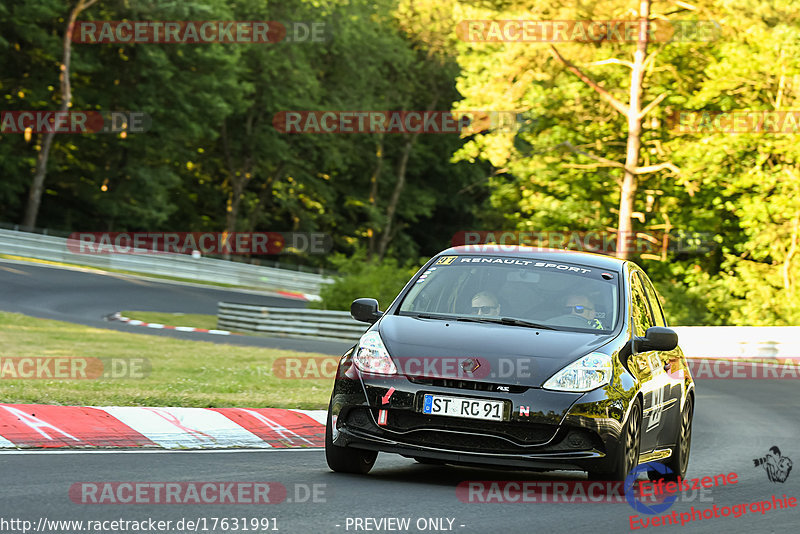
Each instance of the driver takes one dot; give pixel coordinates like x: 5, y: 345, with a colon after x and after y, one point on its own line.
x: 484, y: 303
x: 581, y: 306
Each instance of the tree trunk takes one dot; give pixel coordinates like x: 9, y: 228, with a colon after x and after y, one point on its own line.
x: 630, y: 182
x: 237, y: 180
x: 391, y: 209
x: 37, y: 185
x: 373, y: 196
x: 787, y: 278
x: 386, y: 235
x: 634, y: 113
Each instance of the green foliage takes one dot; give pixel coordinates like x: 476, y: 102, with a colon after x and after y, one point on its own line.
x: 381, y: 280
x: 686, y: 305
x: 212, y: 159
x: 741, y: 190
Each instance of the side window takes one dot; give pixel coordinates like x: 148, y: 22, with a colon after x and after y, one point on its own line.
x: 640, y: 310
x: 655, y: 305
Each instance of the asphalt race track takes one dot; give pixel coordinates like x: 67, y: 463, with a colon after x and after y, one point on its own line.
x: 736, y: 421
x: 88, y: 297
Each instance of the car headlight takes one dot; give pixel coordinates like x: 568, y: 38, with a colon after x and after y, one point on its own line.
x: 372, y: 356
x: 590, y: 372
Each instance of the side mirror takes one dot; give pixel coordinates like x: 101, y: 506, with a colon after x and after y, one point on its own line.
x: 365, y: 310
x: 657, y: 338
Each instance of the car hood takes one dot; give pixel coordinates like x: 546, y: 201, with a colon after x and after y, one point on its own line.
x: 495, y: 353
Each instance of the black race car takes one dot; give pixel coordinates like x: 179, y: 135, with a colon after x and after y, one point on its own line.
x: 514, y: 356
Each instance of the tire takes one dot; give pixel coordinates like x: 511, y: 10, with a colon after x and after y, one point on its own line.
x: 628, y: 455
x: 678, y: 463
x: 346, y: 459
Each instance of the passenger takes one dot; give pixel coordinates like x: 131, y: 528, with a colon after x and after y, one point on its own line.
x: 484, y: 303
x: 581, y: 306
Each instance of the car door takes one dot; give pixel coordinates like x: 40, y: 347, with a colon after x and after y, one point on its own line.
x: 651, y: 373
x: 669, y: 363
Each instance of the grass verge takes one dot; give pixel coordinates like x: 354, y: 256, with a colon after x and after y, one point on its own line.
x: 183, y: 373
x: 195, y: 320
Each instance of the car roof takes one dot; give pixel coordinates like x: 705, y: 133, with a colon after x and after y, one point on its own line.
x: 589, y: 259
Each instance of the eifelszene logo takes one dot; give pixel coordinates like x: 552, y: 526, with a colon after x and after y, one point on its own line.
x: 632, y: 498
x: 777, y: 467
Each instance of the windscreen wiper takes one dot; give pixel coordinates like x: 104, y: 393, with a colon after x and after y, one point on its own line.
x: 475, y: 320
x: 431, y: 316
x: 506, y: 320
x: 520, y: 322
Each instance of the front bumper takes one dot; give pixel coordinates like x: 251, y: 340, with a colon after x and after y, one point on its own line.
x: 541, y: 429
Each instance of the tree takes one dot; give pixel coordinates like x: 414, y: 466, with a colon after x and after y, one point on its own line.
x: 732, y: 189
x: 37, y: 184
x: 634, y: 113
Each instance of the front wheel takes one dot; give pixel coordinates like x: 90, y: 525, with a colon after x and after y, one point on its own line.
x: 346, y: 459
x: 628, y: 455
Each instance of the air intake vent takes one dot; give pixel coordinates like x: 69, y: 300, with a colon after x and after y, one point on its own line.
x: 466, y: 384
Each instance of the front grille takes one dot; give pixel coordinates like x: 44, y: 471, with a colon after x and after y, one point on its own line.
x: 524, y: 434
x: 469, y: 435
x: 466, y: 384
x: 460, y: 442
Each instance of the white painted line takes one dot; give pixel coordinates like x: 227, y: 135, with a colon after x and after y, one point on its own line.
x: 4, y: 443
x: 136, y: 322
x: 34, y: 423
x: 279, y: 429
x: 15, y: 271
x: 320, y: 416
x: 175, y: 428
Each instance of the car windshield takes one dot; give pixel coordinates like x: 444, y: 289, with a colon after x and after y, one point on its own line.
x: 516, y: 291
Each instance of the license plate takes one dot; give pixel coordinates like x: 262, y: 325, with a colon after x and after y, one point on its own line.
x: 461, y: 407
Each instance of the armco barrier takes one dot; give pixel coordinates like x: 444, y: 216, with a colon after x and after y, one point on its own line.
x: 50, y: 248
x: 290, y: 322
x: 729, y: 342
